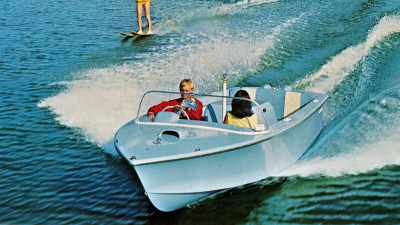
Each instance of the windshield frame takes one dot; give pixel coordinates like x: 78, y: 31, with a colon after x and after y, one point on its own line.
x: 264, y: 122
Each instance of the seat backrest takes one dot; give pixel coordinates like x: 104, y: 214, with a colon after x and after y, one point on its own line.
x: 292, y: 102
x: 213, y: 112
x: 251, y: 90
x: 209, y: 114
x: 268, y: 111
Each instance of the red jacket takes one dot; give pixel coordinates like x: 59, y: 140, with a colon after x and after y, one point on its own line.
x: 193, y: 114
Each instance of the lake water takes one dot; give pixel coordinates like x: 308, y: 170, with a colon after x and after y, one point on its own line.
x: 68, y: 81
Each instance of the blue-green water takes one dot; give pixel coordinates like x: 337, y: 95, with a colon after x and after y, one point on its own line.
x: 68, y: 81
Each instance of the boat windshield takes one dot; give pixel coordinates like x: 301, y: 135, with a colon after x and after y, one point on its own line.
x: 166, y: 106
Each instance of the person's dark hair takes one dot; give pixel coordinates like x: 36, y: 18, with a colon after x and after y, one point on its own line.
x: 241, y: 108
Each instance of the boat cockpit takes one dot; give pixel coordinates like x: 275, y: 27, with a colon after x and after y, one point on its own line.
x: 270, y: 106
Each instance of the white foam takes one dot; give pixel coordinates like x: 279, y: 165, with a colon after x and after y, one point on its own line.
x: 100, y: 101
x: 255, y: 2
x: 365, y: 140
x: 205, y: 13
x: 334, y: 71
x: 361, y: 159
x: 197, y: 14
x: 98, y: 104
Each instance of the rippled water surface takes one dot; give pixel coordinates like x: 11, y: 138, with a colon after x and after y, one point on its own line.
x: 68, y: 81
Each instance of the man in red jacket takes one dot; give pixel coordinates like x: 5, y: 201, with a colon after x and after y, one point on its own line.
x: 186, y: 86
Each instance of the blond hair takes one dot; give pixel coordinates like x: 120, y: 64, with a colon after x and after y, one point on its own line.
x: 186, y: 83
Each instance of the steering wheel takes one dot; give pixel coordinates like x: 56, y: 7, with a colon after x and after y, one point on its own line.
x: 181, y: 111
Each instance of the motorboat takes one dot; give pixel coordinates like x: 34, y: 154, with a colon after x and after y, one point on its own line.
x: 181, y: 161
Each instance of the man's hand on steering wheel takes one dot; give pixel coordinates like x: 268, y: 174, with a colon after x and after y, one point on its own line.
x: 177, y: 108
x: 151, y: 115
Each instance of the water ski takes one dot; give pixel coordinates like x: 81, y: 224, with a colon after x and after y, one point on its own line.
x: 136, y: 33
x: 127, y: 35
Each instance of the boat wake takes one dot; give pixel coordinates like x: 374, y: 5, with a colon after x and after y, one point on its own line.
x: 99, y: 101
x: 207, y: 13
x: 96, y: 103
x: 249, y: 3
x: 340, y: 66
x: 365, y: 140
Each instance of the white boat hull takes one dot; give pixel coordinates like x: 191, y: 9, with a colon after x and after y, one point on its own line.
x: 219, y: 160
